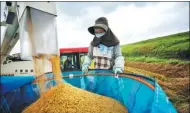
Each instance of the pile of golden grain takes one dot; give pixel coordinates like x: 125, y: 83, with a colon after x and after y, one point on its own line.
x: 65, y: 98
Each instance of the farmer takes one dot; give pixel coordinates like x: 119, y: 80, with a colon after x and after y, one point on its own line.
x: 104, y: 48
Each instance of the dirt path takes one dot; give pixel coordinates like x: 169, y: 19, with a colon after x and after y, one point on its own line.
x: 174, y: 79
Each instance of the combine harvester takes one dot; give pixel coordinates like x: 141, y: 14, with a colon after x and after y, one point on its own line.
x: 138, y: 93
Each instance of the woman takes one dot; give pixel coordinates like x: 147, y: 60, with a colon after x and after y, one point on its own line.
x: 104, y: 48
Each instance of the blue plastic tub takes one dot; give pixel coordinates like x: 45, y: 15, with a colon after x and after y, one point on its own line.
x: 138, y: 93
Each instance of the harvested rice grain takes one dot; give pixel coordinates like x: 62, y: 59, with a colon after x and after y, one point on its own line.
x: 66, y: 98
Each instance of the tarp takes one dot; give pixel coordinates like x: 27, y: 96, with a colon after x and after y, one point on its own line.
x: 138, y: 93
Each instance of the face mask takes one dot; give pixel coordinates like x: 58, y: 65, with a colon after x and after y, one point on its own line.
x: 98, y: 35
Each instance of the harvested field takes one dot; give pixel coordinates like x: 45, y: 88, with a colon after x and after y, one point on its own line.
x: 173, y: 78
x: 169, y: 70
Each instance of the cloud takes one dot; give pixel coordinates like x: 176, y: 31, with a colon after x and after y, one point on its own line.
x: 132, y: 24
x: 130, y: 21
x: 73, y: 32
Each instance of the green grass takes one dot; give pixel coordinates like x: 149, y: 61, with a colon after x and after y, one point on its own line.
x: 174, y: 47
x: 157, y: 60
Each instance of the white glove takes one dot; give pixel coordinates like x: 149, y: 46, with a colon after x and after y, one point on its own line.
x: 85, y: 68
x: 117, y: 70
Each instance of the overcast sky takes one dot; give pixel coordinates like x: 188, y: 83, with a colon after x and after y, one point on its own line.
x: 130, y: 21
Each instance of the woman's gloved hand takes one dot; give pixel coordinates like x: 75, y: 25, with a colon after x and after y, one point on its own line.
x: 85, y: 68
x: 117, y: 70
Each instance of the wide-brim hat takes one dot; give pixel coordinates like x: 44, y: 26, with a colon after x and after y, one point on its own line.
x: 101, y: 22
